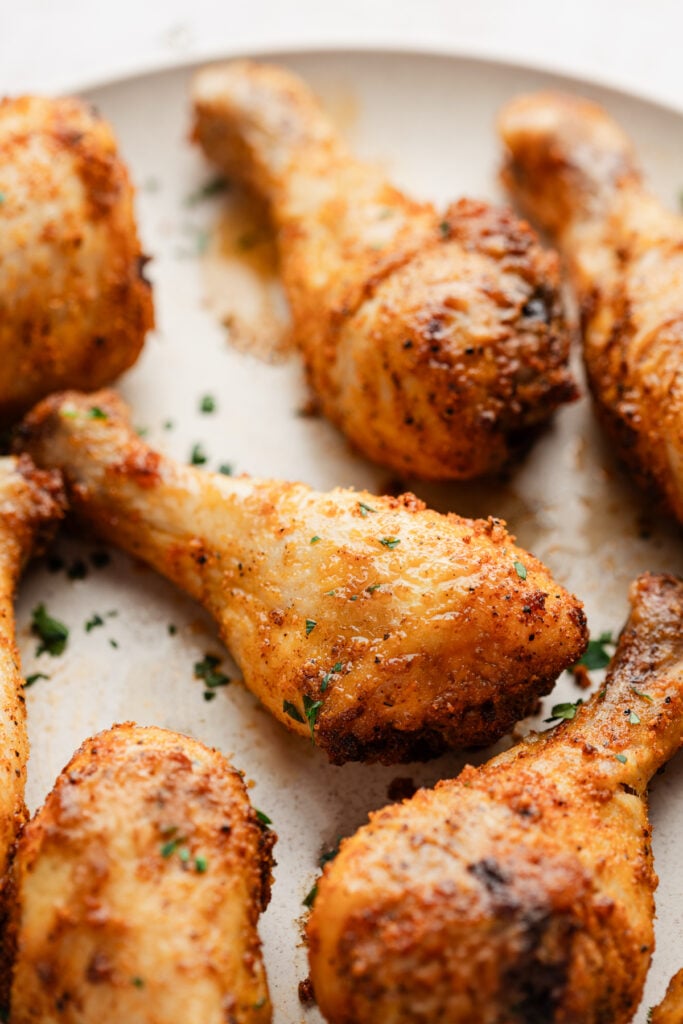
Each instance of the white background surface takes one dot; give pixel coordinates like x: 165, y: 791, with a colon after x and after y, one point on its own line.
x: 60, y: 44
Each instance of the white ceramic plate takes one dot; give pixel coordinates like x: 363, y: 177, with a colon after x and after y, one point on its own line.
x: 431, y: 122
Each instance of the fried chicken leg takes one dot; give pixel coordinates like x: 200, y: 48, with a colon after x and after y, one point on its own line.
x: 74, y: 304
x: 575, y: 172
x: 521, y: 891
x: 138, y: 888
x: 434, y: 341
x: 31, y: 503
x: 670, y: 1010
x: 382, y: 629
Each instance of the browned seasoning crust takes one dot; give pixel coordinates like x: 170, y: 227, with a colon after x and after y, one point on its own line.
x: 138, y: 887
x: 575, y: 172
x: 74, y: 302
x: 31, y: 504
x: 408, y: 630
x: 435, y: 341
x: 670, y: 1010
x: 520, y: 892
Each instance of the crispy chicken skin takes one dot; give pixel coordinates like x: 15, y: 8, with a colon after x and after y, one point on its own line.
x: 31, y: 503
x: 435, y: 341
x: 138, y: 888
x: 74, y: 303
x: 574, y: 171
x: 670, y: 1010
x: 520, y: 892
x: 385, y: 630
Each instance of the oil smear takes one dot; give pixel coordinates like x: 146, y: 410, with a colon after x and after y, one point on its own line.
x: 241, y: 279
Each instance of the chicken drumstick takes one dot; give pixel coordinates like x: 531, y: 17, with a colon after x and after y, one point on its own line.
x: 380, y: 628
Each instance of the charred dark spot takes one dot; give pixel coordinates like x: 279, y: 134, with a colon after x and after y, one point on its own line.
x: 538, y: 307
x: 489, y: 872
x: 306, y: 993
x: 488, y: 710
x: 407, y: 343
x: 142, y: 262
x: 99, y: 341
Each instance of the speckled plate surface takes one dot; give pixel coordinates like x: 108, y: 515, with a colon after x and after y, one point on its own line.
x: 221, y: 331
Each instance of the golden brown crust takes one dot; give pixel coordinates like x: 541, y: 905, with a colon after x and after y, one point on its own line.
x: 138, y: 888
x: 31, y: 504
x: 574, y: 170
x: 74, y: 302
x: 670, y: 1010
x: 436, y: 342
x: 408, y: 630
x: 521, y: 891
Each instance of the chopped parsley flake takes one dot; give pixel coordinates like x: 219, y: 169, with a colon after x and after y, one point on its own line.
x: 390, y: 542
x: 169, y: 847
x: 309, y: 899
x: 327, y: 678
x: 329, y: 855
x: 292, y: 710
x: 207, y: 404
x: 137, y: 982
x: 206, y: 670
x: 172, y: 629
x: 225, y: 468
x: 114, y: 644
x: 310, y: 626
x: 198, y: 456
x: 30, y: 680
x: 93, y: 622
x: 201, y: 865
x: 644, y: 696
x: 314, y: 540
x: 373, y: 587
x: 595, y: 656
x: 329, y: 593
x: 169, y: 424
x: 209, y: 694
x: 445, y: 229
x: 520, y: 569
x: 311, y: 710
x: 364, y: 509
x: 53, y: 634
x: 213, y: 187
x: 564, y: 711
x: 263, y: 819
x: 633, y: 718
x: 621, y: 757
x: 2, y: 198
x: 95, y: 413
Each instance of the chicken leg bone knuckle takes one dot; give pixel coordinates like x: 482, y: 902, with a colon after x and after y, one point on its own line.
x: 382, y: 629
x: 670, y: 1010
x: 74, y: 301
x: 575, y: 172
x: 31, y: 504
x: 521, y: 891
x: 435, y: 341
x: 138, y: 887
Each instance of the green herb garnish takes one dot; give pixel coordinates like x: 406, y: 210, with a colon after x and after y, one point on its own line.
x: 95, y: 413
x: 633, y: 718
x: 93, y: 622
x: 564, y: 711
x: 30, y: 680
x: 364, y: 509
x: 520, y: 569
x: 211, y: 188
x: 263, y: 819
x: 309, y: 899
x: 311, y: 710
x: 390, y: 542
x: 595, y: 656
x: 314, y: 540
x: 292, y: 710
x: 137, y: 982
x: 373, y: 587
x: 621, y: 757
x: 445, y: 229
x: 198, y: 456
x: 225, y: 468
x: 206, y: 670
x: 53, y: 634
x: 201, y: 864
x: 645, y: 696
x: 310, y: 626
x: 327, y: 678
x: 207, y: 404
x: 172, y: 629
